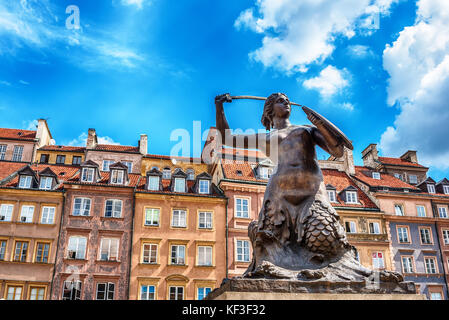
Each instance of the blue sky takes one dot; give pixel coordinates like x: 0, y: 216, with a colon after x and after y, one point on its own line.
x: 138, y: 66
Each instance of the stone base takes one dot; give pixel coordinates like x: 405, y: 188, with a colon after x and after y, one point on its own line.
x: 281, y: 289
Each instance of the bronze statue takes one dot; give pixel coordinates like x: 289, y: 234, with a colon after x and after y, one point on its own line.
x: 298, y: 234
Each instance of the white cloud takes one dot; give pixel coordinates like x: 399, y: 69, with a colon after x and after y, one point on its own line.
x: 29, y: 124
x: 5, y: 83
x: 137, y: 3
x: 360, y: 51
x: 301, y: 32
x: 418, y: 65
x: 82, y: 139
x: 329, y: 82
x: 347, y: 106
x: 24, y: 82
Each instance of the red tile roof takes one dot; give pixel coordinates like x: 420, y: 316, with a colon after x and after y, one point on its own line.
x: 17, y: 134
x: 166, y: 188
x: 399, y: 162
x: 62, y: 148
x: 340, y: 181
x: 158, y: 156
x: 7, y: 168
x: 133, y: 179
x: 364, y: 174
x: 231, y: 168
x: 117, y: 148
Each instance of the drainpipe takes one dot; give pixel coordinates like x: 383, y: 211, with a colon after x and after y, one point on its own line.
x: 57, y: 242
x: 131, y: 236
x: 440, y: 251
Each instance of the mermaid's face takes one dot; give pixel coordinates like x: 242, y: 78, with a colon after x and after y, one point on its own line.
x: 281, y: 107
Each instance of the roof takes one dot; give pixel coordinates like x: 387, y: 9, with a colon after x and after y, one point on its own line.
x: 239, y: 170
x: 7, y: 168
x: 341, y: 181
x: 105, y: 175
x: 399, y: 162
x: 62, y: 148
x: 116, y: 148
x: 17, y: 134
x: 363, y: 174
x: 158, y: 156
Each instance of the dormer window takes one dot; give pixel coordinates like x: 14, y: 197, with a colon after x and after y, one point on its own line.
x: 203, y: 187
x: 446, y: 189
x: 265, y: 172
x: 45, y: 183
x: 180, y: 185
x: 153, y: 183
x: 190, y: 174
x: 431, y: 188
x: 376, y: 175
x: 332, y: 195
x: 351, y: 197
x: 166, y: 174
x: 117, y: 176
x: 88, y: 175
x: 25, y: 182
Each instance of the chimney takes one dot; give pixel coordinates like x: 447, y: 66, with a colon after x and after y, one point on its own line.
x: 92, y: 141
x: 43, y: 133
x: 348, y: 160
x: 143, y: 144
x: 370, y: 156
x: 410, y: 156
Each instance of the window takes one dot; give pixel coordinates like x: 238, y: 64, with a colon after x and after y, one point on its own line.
x: 149, y: 253
x: 147, y: 292
x: 81, y: 207
x: 42, y: 250
x: 25, y: 182
x: 378, y: 260
x: 178, y: 254
x: 76, y: 160
x: 2, y: 151
x: 60, y: 159
x: 446, y: 189
x: 106, y: 164
x: 166, y: 173
x: 37, y: 293
x: 180, y: 185
x: 399, y: 210
x: 117, y: 176
x: 442, y: 212
x: 26, y: 215
x: 179, y: 218
x: 190, y: 174
x: 88, y: 175
x: 129, y: 164
x: 109, y: 249
x: 331, y: 195
x: 151, y: 217
x: 176, y: 293
x: 105, y: 291
x: 153, y: 183
x: 265, y: 173
x: 403, y: 235
x: 45, y: 183
x: 48, y: 215
x: 20, y: 251
x: 413, y: 179
x: 204, y: 255
x: 425, y: 234
x: 446, y: 237
x: 421, y: 211
x: 351, y: 197
x: 14, y: 293
x: 113, y: 209
x: 6, y: 212
x: 430, y: 265
x: 242, y: 251
x: 241, y: 210
x: 44, y: 158
x: 17, y: 153
x: 398, y: 176
x: 71, y: 290
x: 203, y: 292
x: 351, y: 226
x: 2, y: 250
x: 407, y: 264
x: 374, y: 227
x: 436, y: 296
x: 205, y: 220
x: 204, y: 187
x: 77, y: 247
x: 430, y: 188
x: 376, y: 175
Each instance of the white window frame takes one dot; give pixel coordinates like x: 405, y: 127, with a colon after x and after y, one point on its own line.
x: 87, y: 175
x: 436, y: 296
x: 446, y: 189
x: 17, y: 153
x: 116, y: 206
x: 239, y: 208
x: 430, y: 188
x: 352, y: 226
x: 413, y: 179
x: 117, y: 176
x: 401, y: 234
x: 108, y: 292
x: 151, y: 212
x: 180, y: 185
x: 85, y: 206
x: 401, y: 210
x: 129, y: 164
x: 179, y: 218
x: 106, y: 164
x: 3, y: 148
x: 376, y: 175
x: 205, y: 255
x: 442, y: 212
x: 107, y: 252
x: 75, y: 288
x: 407, y: 264
x: 45, y: 183
x: 25, y: 181
x: 422, y: 211
x: 242, y: 251
x: 204, y: 186
x: 432, y: 267
x: 446, y: 236
x: 376, y: 227
x: 427, y: 233
x: 148, y: 292
x: 6, y: 211
x: 151, y: 248
x: 190, y: 174
x: 351, y: 197
x: 166, y: 173
x: 77, y: 244
x: 205, y: 220
x: 177, y: 254
x: 376, y: 260
x: 202, y: 292
x: 332, y: 195
x: 27, y: 212
x: 176, y: 293
x: 153, y: 183
x: 48, y: 215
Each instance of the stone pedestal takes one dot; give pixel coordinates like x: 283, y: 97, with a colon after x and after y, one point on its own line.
x: 279, y: 289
